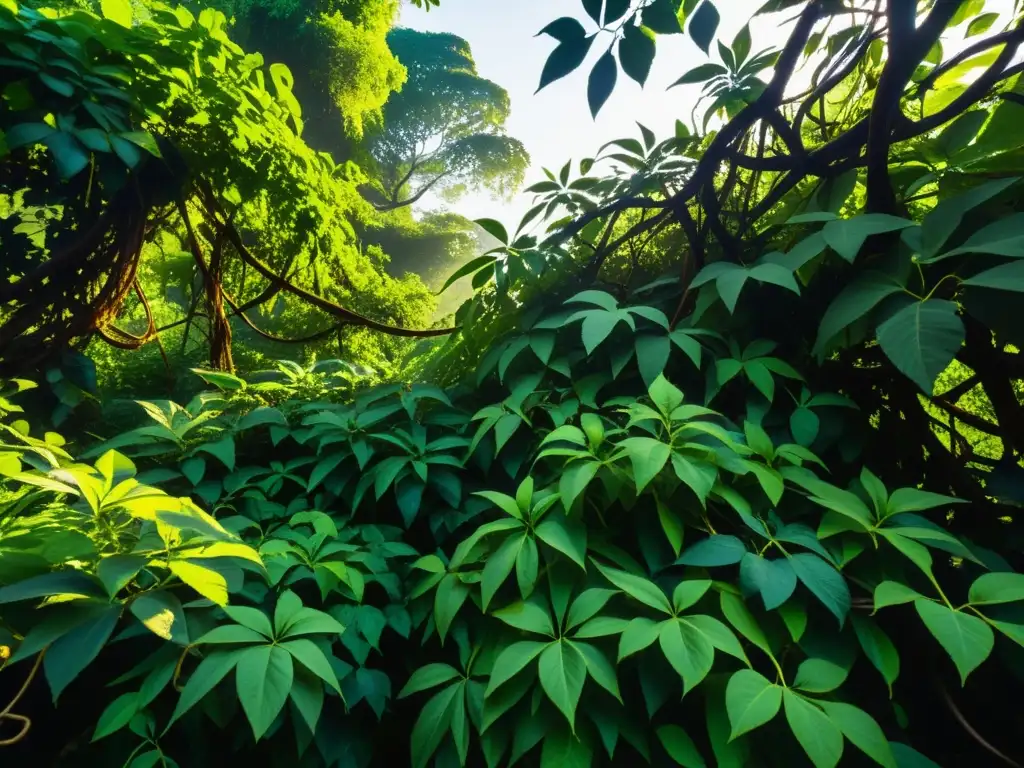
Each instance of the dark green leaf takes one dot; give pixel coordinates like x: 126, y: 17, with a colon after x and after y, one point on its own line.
x: 662, y: 17
x: 775, y: 580
x: 74, y: 651
x: 680, y: 746
x: 432, y: 724
x: 569, y: 54
x: 967, y: 639
x: 819, y: 737
x: 825, y: 582
x: 426, y: 677
x: 263, y: 677
x: 601, y: 82
x: 1005, y: 277
x: 636, y: 53
x: 714, y: 551
x: 922, y: 339
x: 704, y: 24
x: 847, y: 236
x: 878, y: 648
x: 854, y: 302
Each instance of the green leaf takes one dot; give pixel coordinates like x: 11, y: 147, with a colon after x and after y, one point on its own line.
x: 751, y: 701
x: 824, y: 582
x: 922, y: 339
x: 889, y: 593
x: 992, y: 588
x: 469, y: 268
x: 640, y: 633
x: 587, y: 605
x: 718, y: 634
x: 688, y: 651
x: 429, y: 676
x: 688, y: 593
x: 567, y: 535
x: 648, y: 457
x: 967, y: 639
x: 846, y: 236
x: 1005, y: 277
x: 737, y: 614
x: 511, y: 661
x: 844, y: 503
x: 118, y: 11
x: 597, y: 326
x: 263, y: 677
x: 223, y: 449
x: 448, y: 599
x: 505, y: 503
x: 117, y: 570
x: 600, y: 669
x: 601, y: 82
x: 878, y: 648
x: 307, y: 621
x: 855, y: 301
x: 528, y: 616
x: 862, y: 731
x: 804, y: 425
x: 908, y: 757
x: 819, y: 736
x: 309, y: 655
x: 27, y: 133
x: 819, y: 675
x: 775, y: 580
x: 638, y: 588
x: 672, y: 526
x: 69, y: 654
x: 307, y: 696
x: 700, y: 74
x: 432, y: 724
x: 680, y: 746
x: 230, y: 633
x: 527, y: 565
x: 211, y: 670
x: 260, y: 416
x: 68, y: 582
x: 652, y: 354
x: 980, y: 24
x: 117, y: 715
x: 714, y: 551
x: 662, y: 17
x: 494, y: 228
x: 574, y: 480
x: 704, y: 24
x: 636, y: 53
x: 499, y: 566
x: 1000, y: 238
x: 563, y: 749
x: 563, y: 670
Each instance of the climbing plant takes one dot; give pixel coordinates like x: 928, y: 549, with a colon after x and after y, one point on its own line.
x: 721, y: 466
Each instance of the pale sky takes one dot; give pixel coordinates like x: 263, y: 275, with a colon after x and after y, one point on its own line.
x: 555, y: 124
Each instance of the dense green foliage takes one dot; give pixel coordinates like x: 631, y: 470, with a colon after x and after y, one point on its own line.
x: 722, y: 465
x: 444, y: 130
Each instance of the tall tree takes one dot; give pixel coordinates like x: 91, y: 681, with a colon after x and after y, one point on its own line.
x: 338, y: 53
x: 445, y: 130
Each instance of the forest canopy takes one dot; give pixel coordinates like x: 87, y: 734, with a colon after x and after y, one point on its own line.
x: 719, y: 463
